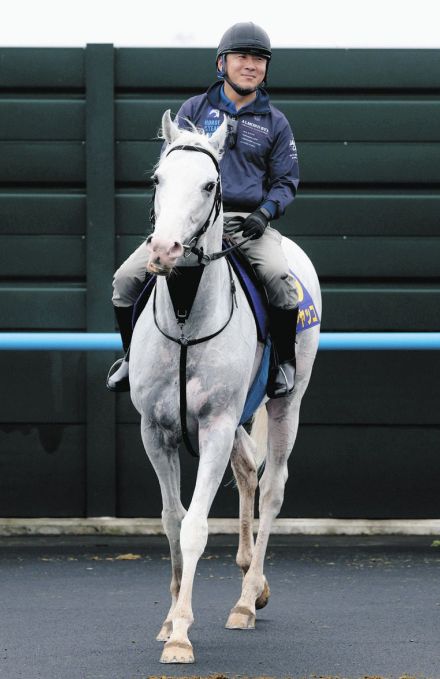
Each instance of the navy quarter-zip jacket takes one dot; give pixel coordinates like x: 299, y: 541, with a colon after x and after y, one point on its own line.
x: 262, y: 168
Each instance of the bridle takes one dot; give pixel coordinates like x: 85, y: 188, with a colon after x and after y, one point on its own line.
x: 191, y: 246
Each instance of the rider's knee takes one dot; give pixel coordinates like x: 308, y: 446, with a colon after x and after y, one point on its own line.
x: 281, y: 288
x: 126, y: 288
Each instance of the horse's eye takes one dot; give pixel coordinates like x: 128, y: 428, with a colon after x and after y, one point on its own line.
x: 155, y: 179
x: 209, y: 186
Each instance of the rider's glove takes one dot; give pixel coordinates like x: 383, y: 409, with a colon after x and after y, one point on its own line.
x: 255, y: 224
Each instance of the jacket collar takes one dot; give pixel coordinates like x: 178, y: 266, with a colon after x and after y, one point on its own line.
x: 259, y: 105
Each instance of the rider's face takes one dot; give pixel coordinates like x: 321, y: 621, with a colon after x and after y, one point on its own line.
x: 246, y: 70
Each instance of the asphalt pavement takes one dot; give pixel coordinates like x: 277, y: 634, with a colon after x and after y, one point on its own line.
x: 90, y: 608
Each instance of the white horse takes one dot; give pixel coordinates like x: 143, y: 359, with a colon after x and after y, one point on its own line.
x: 219, y: 372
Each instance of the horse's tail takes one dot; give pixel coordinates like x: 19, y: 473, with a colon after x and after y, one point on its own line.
x: 259, y: 435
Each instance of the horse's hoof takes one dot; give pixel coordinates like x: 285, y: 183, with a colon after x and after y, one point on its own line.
x: 165, y: 632
x: 241, y: 618
x: 177, y: 652
x: 263, y: 599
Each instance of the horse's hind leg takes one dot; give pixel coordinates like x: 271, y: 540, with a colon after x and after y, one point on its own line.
x: 283, y: 426
x: 167, y: 467
x: 245, y: 472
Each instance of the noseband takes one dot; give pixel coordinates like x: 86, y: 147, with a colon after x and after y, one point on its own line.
x: 190, y: 247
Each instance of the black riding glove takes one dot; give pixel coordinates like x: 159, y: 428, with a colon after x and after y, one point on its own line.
x: 255, y: 225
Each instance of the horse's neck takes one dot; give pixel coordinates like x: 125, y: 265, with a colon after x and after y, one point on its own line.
x: 213, y: 299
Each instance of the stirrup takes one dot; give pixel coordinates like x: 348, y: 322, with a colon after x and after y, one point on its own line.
x: 282, y: 379
x: 122, y: 384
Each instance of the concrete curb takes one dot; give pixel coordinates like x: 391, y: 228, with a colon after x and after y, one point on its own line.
x: 136, y: 526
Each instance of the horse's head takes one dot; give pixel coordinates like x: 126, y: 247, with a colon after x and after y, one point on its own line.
x: 187, y: 199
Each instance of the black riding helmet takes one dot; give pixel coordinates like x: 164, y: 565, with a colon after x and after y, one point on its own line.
x: 244, y: 38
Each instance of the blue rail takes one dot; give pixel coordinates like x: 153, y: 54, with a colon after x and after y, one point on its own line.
x: 108, y: 341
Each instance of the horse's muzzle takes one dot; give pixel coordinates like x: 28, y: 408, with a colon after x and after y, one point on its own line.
x: 163, y: 254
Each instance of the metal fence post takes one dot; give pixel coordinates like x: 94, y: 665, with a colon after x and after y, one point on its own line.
x: 101, y: 445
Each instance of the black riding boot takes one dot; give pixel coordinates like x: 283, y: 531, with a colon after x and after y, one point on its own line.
x: 282, y: 326
x: 117, y: 378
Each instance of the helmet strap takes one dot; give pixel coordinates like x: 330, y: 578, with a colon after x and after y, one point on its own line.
x: 242, y: 91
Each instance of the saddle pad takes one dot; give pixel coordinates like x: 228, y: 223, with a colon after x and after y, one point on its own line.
x: 253, y: 290
x: 307, y: 314
x: 257, y: 392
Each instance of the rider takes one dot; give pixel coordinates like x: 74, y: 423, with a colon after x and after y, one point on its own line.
x: 259, y: 171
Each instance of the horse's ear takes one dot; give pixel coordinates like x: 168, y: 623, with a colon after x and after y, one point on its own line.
x: 217, y: 140
x: 170, y: 130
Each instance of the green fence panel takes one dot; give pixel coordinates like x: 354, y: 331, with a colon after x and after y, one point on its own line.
x: 24, y: 120
x: 374, y: 471
x: 36, y: 162
x: 47, y: 459
x: 322, y: 163
x: 46, y: 387
x: 42, y: 212
x: 44, y: 68
x: 374, y: 307
x: 363, y: 212
x: 43, y: 256
x: 356, y: 69
x: 321, y: 213
x: 373, y: 387
x: 43, y: 306
x: 352, y: 257
x: 318, y: 119
x: 291, y: 69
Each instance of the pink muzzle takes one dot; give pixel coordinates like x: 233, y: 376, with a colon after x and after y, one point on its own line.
x: 163, y: 254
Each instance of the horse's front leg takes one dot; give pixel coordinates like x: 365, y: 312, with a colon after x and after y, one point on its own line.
x: 283, y: 426
x: 215, y: 442
x: 165, y: 460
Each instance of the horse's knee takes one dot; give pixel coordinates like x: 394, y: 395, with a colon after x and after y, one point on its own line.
x: 272, y: 492
x: 171, y: 521
x: 194, y: 534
